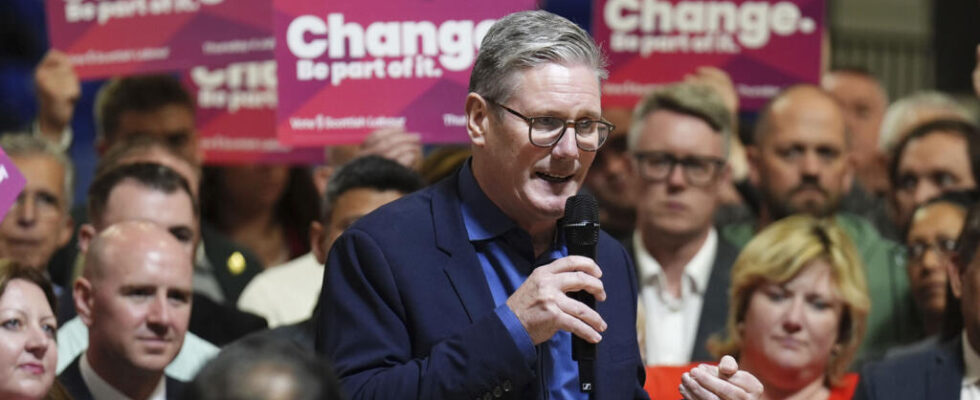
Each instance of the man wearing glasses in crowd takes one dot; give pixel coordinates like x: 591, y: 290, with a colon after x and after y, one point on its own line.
x: 458, y: 291
x: 679, y: 140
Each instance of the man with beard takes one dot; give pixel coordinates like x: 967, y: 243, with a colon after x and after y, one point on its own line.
x: 801, y: 163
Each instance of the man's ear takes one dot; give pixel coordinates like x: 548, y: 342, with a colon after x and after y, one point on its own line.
x: 86, y: 233
x: 82, y: 295
x: 317, y: 230
x: 477, y: 118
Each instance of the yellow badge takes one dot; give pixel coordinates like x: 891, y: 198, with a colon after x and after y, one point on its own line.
x: 236, y: 263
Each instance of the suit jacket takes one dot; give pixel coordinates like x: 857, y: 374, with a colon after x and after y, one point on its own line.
x: 71, y: 380
x: 233, y: 272
x: 714, y: 308
x: 406, y: 311
x: 934, y: 374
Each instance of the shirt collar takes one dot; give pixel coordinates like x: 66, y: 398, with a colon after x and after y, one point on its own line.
x: 971, y: 360
x: 483, y: 219
x: 101, y: 389
x: 698, y: 270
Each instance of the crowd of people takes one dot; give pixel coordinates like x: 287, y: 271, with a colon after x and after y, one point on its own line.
x: 825, y: 250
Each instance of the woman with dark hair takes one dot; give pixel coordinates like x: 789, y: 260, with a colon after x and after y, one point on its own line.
x: 266, y: 208
x: 28, y: 352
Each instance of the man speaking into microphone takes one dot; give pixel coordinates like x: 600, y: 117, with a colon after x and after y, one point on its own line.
x: 460, y: 291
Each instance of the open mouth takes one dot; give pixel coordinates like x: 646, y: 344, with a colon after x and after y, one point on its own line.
x: 553, y: 178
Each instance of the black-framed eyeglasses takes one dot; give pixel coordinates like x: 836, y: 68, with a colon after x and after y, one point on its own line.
x: 545, y: 131
x: 944, y: 247
x: 658, y: 165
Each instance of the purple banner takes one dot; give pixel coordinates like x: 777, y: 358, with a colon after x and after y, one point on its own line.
x: 118, y: 37
x: 763, y: 45
x: 347, y: 68
x: 236, y: 115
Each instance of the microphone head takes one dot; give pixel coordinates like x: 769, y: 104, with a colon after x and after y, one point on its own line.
x: 581, y: 208
x: 581, y: 220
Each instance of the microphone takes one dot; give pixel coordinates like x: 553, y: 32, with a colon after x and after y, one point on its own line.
x: 580, y: 226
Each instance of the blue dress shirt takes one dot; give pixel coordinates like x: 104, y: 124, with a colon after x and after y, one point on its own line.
x: 507, y: 257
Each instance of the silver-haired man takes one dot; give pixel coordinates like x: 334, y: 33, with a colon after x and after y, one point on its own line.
x: 459, y: 291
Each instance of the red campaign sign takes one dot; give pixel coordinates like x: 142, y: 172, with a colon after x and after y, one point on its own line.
x: 12, y: 182
x: 349, y: 67
x: 236, y: 115
x: 764, y: 46
x: 106, y: 38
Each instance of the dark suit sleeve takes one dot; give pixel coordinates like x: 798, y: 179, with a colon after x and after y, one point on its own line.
x: 369, y: 329
x: 638, y: 391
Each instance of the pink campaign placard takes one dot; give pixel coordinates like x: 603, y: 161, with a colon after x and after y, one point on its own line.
x: 764, y: 45
x: 12, y: 182
x: 118, y: 37
x: 347, y: 68
x: 236, y: 115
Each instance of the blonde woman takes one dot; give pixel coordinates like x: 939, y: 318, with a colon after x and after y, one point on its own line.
x: 797, y: 313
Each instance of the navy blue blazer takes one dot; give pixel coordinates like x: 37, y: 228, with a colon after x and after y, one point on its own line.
x: 406, y: 312
x: 71, y: 380
x: 933, y: 374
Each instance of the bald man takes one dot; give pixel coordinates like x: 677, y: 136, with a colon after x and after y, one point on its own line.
x: 863, y: 100
x: 135, y: 298
x: 801, y: 163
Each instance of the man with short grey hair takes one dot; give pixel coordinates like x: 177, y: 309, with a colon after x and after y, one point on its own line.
x: 679, y: 143
x: 39, y: 222
x: 458, y: 291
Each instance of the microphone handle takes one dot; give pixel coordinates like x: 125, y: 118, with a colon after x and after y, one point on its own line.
x: 582, y: 351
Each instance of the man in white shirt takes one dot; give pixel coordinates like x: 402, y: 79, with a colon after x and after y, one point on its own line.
x: 135, y: 298
x: 288, y: 293
x: 679, y: 141
x: 141, y: 192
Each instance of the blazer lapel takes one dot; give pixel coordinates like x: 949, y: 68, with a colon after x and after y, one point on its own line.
x: 71, y: 380
x: 714, y: 309
x: 462, y: 267
x: 944, y: 378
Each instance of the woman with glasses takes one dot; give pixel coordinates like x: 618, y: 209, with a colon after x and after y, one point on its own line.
x: 797, y: 313
x: 931, y: 243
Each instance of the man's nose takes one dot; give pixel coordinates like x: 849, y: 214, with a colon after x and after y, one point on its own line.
x: 159, y: 315
x: 567, y: 146
x: 675, y: 177
x: 810, y: 164
x: 26, y: 211
x: 924, y: 192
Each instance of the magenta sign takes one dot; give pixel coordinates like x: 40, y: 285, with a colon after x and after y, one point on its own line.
x: 349, y: 67
x: 11, y: 183
x: 236, y: 115
x: 764, y: 45
x: 119, y: 37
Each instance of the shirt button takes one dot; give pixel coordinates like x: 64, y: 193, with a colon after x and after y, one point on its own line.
x: 498, y: 392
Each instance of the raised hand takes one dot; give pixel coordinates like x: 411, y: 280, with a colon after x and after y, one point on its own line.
x: 542, y: 306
